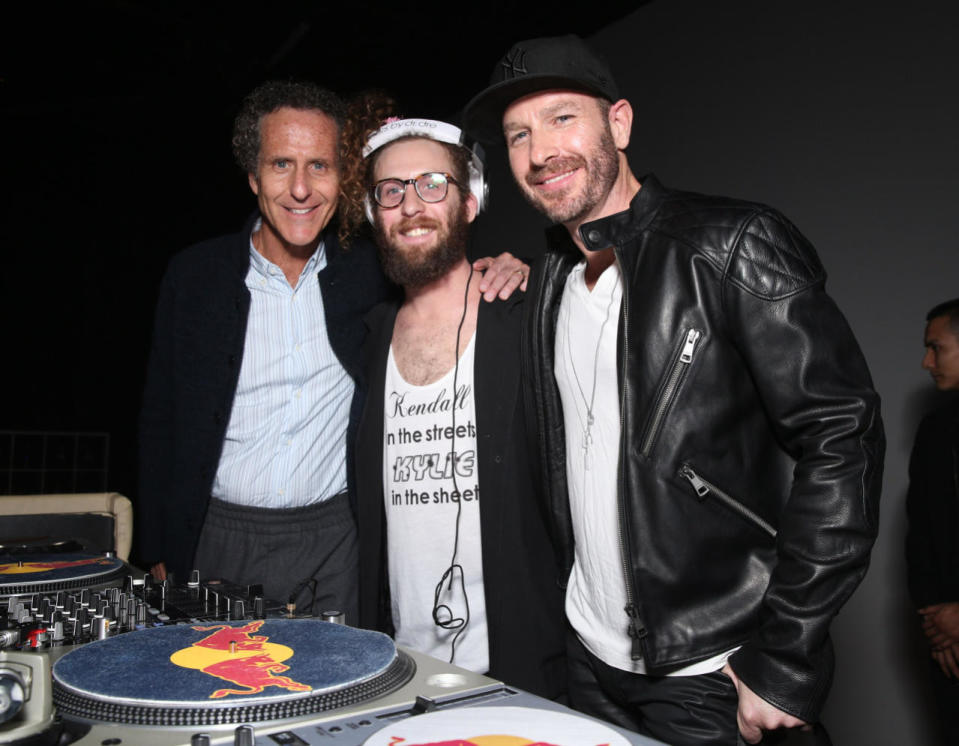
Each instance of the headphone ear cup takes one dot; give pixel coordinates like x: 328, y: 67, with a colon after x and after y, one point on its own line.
x: 368, y: 208
x: 479, y: 187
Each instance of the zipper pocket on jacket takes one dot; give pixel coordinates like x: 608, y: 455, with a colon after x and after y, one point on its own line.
x: 704, y: 488
x: 676, y: 375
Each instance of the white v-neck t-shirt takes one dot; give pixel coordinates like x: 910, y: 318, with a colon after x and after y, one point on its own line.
x: 585, y: 366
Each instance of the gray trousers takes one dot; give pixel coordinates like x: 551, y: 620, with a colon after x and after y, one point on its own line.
x: 311, y: 553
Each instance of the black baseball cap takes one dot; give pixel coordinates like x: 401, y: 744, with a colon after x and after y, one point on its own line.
x: 536, y: 65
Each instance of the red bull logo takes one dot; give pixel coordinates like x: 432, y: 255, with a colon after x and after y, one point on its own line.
x: 22, y: 568
x: 477, y: 741
x: 235, y: 654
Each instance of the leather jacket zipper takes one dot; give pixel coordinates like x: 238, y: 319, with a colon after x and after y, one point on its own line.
x: 704, y: 488
x: 676, y: 375
x: 634, y: 628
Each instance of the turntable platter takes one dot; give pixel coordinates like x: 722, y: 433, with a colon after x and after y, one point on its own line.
x: 43, y: 573
x: 230, y: 672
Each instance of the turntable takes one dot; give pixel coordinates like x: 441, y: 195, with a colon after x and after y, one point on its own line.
x: 229, y: 673
x: 93, y: 656
x: 302, y: 682
x: 47, y: 573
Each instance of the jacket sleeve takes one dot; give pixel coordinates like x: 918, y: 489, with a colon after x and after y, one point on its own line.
x: 814, y: 385
x: 156, y: 427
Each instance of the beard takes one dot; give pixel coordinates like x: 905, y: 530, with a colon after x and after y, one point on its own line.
x: 601, y: 167
x: 419, y: 267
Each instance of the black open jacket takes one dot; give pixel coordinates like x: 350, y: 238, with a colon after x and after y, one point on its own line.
x: 524, y: 604
x: 198, y: 339
x: 932, y: 504
x: 751, y: 443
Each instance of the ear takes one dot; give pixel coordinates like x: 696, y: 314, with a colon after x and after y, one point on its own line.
x: 254, y: 184
x: 621, y: 122
x: 471, y: 208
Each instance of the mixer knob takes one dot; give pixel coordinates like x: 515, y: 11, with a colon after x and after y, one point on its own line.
x: 243, y: 736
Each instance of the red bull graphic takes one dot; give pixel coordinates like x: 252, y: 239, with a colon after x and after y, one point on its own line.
x: 496, y: 726
x: 23, y: 568
x: 490, y: 740
x: 237, y: 655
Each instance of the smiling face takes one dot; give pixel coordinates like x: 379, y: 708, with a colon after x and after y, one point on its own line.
x: 563, y: 154
x: 297, y: 179
x: 420, y: 241
x: 942, y: 354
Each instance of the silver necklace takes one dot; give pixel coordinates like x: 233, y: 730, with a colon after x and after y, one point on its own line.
x: 588, y: 404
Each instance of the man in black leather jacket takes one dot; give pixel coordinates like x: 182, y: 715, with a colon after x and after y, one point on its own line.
x: 712, y: 469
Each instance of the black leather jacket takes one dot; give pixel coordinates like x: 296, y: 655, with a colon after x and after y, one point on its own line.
x: 751, y: 443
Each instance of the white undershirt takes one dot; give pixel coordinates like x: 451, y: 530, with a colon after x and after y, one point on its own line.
x: 596, y: 594
x: 419, y: 498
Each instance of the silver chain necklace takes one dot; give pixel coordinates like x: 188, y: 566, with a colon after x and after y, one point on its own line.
x: 588, y: 404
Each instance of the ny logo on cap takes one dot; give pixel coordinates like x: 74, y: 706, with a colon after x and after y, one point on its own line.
x: 514, y: 64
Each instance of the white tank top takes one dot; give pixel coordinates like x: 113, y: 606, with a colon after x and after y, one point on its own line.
x: 424, y: 485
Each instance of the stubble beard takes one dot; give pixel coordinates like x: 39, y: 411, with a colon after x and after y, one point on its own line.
x: 419, y: 268
x: 602, y: 169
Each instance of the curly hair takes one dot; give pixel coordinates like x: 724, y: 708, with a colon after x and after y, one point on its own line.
x: 267, y: 98
x: 366, y: 113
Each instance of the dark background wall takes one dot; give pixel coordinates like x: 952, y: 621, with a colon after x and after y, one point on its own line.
x: 843, y: 115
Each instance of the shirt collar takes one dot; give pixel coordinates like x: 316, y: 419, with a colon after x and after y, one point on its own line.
x: 261, y: 265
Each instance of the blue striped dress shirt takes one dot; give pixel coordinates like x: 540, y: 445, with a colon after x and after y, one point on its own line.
x: 285, y: 444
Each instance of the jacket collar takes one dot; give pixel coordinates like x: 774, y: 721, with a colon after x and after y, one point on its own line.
x: 615, y: 230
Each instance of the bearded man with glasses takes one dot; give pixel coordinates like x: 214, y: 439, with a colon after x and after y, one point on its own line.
x: 454, y: 556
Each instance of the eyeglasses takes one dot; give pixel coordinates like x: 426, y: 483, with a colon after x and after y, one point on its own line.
x: 430, y: 187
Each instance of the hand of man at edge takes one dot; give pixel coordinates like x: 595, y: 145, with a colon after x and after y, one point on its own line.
x: 756, y: 714
x: 948, y: 661
x: 502, y: 275
x: 158, y: 570
x: 940, y: 623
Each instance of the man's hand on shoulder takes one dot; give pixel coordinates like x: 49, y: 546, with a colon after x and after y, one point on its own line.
x: 755, y: 714
x: 501, y: 275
